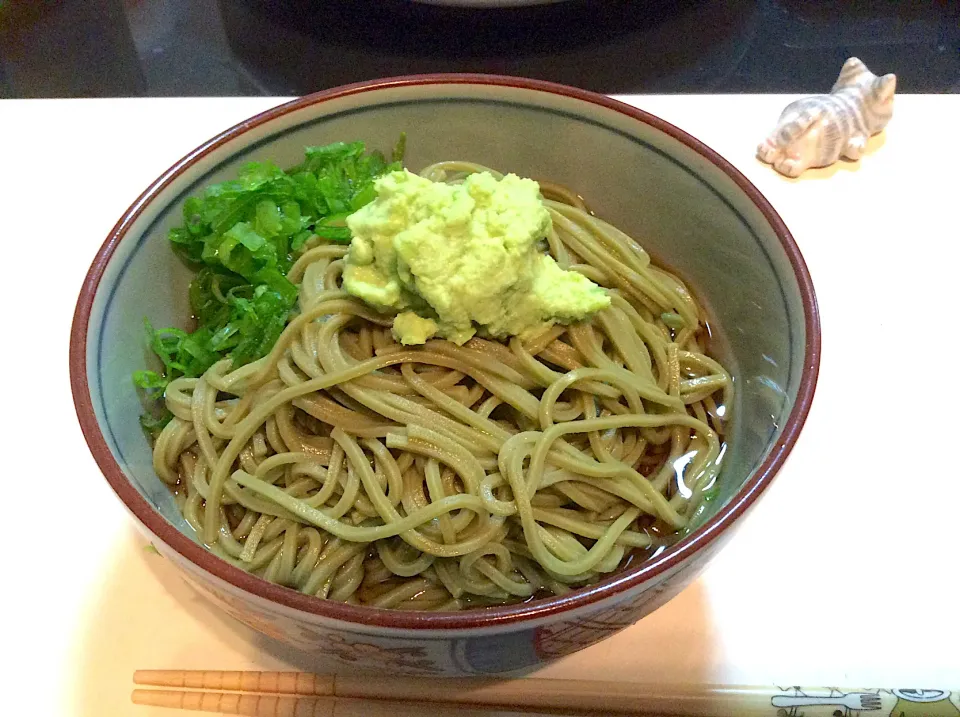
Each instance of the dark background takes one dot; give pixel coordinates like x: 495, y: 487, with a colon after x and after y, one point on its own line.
x: 107, y: 48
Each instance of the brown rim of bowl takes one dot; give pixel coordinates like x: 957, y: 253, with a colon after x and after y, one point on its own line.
x: 468, y: 619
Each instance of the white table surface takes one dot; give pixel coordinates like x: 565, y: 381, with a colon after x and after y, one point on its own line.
x: 848, y: 572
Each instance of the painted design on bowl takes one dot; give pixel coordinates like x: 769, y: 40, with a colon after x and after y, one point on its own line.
x: 270, y: 625
x: 564, y: 638
x: 368, y: 654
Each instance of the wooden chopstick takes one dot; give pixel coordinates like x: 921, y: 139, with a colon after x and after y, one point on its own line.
x: 331, y: 694
x: 284, y: 683
x: 275, y: 705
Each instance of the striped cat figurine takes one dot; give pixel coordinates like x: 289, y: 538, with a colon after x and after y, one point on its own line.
x: 816, y: 131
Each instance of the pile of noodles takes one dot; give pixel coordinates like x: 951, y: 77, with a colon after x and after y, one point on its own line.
x: 441, y: 477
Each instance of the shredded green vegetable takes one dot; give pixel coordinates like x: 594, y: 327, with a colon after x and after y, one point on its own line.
x: 241, y: 237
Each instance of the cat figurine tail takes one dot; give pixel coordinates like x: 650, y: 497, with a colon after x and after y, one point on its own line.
x: 816, y: 131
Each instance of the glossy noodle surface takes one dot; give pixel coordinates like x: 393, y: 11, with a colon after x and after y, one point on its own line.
x: 444, y: 477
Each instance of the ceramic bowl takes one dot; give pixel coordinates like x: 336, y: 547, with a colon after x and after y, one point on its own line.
x: 685, y: 203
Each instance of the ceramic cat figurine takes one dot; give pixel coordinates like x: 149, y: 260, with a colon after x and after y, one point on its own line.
x: 816, y: 131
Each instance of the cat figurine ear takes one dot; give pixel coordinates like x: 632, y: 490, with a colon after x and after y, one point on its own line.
x: 817, y: 131
x: 884, y: 87
x: 851, y: 74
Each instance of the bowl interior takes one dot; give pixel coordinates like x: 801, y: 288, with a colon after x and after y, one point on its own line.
x: 680, y: 206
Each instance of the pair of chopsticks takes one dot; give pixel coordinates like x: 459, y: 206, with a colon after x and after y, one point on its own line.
x: 299, y: 694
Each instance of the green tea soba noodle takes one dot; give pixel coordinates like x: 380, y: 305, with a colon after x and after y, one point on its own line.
x: 439, y: 477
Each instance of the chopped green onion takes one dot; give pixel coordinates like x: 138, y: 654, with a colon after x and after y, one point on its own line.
x: 241, y: 237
